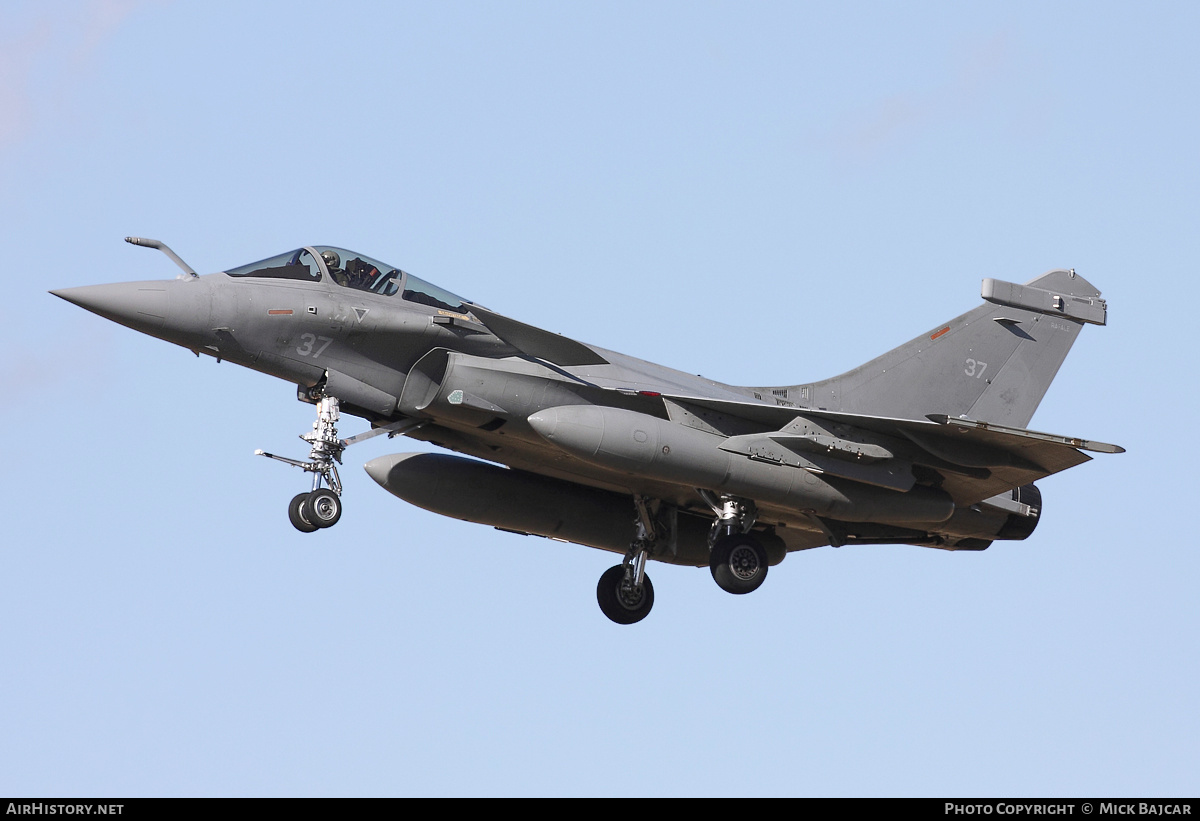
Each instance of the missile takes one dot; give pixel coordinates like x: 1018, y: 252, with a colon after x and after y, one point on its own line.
x: 528, y: 503
x: 638, y: 444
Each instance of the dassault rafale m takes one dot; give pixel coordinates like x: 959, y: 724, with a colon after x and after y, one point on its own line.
x: 924, y: 445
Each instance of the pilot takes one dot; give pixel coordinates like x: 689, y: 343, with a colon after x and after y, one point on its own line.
x: 332, y: 261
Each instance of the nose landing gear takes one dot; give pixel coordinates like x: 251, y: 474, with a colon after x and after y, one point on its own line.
x: 322, y: 506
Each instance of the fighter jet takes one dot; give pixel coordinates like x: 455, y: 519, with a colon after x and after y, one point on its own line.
x: 924, y: 445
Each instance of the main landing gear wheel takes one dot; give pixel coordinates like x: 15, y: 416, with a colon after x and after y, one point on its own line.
x: 322, y: 508
x: 296, y: 514
x: 738, y: 564
x: 620, y: 600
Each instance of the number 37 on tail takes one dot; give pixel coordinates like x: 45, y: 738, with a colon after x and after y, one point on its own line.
x: 924, y: 445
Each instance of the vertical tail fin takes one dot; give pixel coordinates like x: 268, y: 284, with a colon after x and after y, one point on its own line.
x: 993, y: 363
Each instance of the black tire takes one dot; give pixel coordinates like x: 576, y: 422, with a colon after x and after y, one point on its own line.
x: 323, y: 508
x: 738, y: 564
x: 296, y: 514
x: 623, y: 607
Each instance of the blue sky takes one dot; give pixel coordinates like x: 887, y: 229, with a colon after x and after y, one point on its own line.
x: 762, y: 193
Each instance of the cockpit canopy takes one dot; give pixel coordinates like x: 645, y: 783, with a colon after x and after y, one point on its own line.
x: 350, y: 270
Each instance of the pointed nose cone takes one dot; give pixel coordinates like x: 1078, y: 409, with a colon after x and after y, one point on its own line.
x: 138, y: 305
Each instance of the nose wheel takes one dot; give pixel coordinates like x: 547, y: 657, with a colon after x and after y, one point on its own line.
x: 309, y: 512
x: 322, y: 508
x: 297, y: 515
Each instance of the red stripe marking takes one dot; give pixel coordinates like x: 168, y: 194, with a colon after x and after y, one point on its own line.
x: 942, y: 331
x: 279, y: 312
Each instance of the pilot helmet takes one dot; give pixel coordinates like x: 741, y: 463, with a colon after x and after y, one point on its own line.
x: 332, y: 260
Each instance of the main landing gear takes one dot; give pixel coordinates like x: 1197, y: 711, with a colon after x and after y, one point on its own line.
x: 737, y: 559
x: 624, y: 592
x: 322, y: 506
